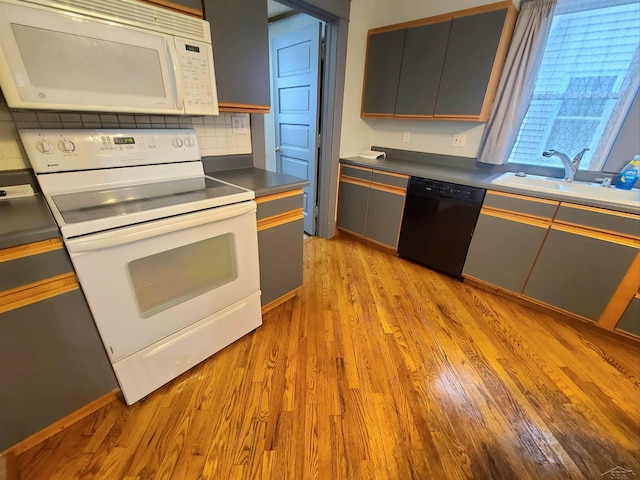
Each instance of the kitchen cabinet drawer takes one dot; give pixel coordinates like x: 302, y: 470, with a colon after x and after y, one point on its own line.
x: 356, y: 172
x: 389, y: 179
x: 579, y: 271
x: 444, y: 67
x: 279, y: 204
x: 520, y: 204
x: 630, y: 320
x: 33, y: 263
x: 240, y: 39
x: 609, y: 221
x: 504, y: 248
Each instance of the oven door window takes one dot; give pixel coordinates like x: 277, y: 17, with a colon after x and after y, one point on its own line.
x: 168, y: 278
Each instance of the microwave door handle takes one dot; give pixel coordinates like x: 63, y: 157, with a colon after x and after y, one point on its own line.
x: 126, y: 235
x: 176, y: 72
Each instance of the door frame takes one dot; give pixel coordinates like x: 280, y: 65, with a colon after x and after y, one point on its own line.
x: 332, y: 86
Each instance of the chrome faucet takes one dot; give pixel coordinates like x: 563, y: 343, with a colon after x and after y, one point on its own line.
x: 570, y: 166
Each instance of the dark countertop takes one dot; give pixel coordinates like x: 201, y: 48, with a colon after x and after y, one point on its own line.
x: 474, y: 178
x: 262, y: 182
x: 26, y: 220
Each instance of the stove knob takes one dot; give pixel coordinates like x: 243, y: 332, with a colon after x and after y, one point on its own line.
x: 44, y: 146
x: 188, y: 142
x: 66, y: 146
x: 176, y: 142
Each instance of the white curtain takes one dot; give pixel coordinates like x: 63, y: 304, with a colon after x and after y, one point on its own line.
x: 517, y: 80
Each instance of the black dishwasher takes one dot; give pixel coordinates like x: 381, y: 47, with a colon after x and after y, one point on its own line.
x: 437, y: 224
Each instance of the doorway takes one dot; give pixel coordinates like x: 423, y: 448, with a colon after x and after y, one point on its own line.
x: 284, y: 149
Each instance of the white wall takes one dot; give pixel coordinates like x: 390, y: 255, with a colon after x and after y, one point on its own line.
x: 425, y: 135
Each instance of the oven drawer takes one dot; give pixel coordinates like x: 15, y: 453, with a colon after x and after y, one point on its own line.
x: 146, y: 282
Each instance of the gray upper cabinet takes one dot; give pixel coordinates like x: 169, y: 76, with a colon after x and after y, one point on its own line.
x: 422, y: 60
x: 240, y: 37
x: 382, y: 72
x: 471, y: 52
x: 444, y: 67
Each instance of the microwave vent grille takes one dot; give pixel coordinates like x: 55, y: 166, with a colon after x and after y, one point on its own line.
x: 136, y: 14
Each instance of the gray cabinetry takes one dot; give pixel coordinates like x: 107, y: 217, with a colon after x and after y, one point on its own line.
x: 370, y: 204
x: 507, y: 238
x: 53, y: 362
x: 382, y: 72
x: 240, y: 38
x: 630, y: 320
x: 440, y: 67
x: 280, y: 246
x: 578, y: 271
x: 422, y: 59
x: 471, y: 52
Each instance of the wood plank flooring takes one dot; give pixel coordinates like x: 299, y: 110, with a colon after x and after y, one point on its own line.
x: 380, y: 369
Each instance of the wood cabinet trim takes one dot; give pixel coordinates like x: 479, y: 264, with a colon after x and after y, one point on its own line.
x: 623, y: 295
x: 355, y: 181
x: 599, y: 235
x: 35, y: 248
x: 278, y: 196
x: 516, y: 217
x: 389, y: 189
x: 280, y: 300
x: 280, y: 219
x: 445, y: 17
x: 243, y: 108
x: 194, y: 12
x: 523, y: 197
x: 364, y: 169
x: 37, y: 291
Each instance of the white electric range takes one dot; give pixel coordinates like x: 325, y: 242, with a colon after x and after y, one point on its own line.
x: 166, y: 256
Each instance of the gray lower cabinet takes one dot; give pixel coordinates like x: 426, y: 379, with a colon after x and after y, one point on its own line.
x: 370, y: 204
x: 503, y: 250
x: 280, y: 244
x: 281, y: 257
x: 53, y: 363
x: 578, y: 271
x: 384, y: 216
x: 630, y: 320
x: 352, y: 206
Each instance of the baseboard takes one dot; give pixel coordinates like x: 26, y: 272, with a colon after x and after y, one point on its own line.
x: 55, y: 428
x: 7, y: 467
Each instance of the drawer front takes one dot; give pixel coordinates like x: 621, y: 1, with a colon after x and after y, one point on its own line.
x: 535, y: 207
x: 606, y: 220
x: 33, y: 268
x: 356, y: 172
x: 390, y: 179
x: 278, y: 204
x: 630, y: 321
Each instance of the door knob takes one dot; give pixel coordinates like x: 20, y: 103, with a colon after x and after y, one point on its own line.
x: 277, y: 149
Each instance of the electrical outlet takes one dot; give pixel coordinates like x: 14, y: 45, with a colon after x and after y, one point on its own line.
x: 459, y: 140
x: 240, y: 124
x: 406, y: 136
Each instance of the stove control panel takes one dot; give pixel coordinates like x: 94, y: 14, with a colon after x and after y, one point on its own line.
x: 69, y: 150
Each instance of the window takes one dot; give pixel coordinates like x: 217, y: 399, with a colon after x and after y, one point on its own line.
x: 588, y: 78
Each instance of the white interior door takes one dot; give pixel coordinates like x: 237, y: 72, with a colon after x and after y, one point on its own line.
x: 296, y: 75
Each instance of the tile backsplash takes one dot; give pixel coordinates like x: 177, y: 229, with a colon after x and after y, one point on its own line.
x: 216, y: 135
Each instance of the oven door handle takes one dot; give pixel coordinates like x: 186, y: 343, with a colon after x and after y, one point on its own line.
x: 134, y: 233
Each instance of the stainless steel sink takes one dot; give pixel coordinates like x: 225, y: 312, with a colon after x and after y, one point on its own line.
x: 576, y: 190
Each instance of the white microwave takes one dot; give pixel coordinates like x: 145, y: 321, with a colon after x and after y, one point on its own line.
x: 105, y: 56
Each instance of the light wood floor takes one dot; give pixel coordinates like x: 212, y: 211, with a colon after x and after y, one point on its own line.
x: 379, y: 369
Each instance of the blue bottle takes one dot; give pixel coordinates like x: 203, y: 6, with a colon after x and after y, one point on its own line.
x: 629, y: 174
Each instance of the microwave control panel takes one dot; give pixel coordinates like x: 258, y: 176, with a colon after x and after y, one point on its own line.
x: 198, y: 78
x: 68, y: 150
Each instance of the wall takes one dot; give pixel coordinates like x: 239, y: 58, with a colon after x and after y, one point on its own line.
x: 425, y: 135
x: 215, y: 134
